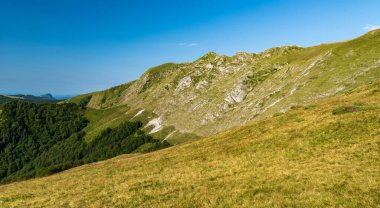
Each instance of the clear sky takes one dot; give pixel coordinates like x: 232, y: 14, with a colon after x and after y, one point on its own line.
x: 78, y: 46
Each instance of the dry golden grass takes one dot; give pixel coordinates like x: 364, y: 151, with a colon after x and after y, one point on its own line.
x: 307, y: 157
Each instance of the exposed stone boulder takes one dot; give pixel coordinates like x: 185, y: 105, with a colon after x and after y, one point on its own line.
x: 184, y: 83
x: 237, y: 95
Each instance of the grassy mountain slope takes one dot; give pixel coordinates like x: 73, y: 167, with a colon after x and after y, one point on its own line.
x: 4, y: 99
x: 217, y: 92
x: 111, y: 114
x: 322, y: 154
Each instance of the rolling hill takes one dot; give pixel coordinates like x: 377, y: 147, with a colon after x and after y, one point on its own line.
x: 320, y: 154
x: 46, y: 98
x: 186, y: 101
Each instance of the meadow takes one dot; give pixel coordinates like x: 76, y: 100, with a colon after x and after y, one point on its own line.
x: 310, y: 156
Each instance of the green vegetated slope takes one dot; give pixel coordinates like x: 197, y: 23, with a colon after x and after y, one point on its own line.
x: 41, y: 139
x: 27, y: 130
x: 216, y: 92
x: 110, y: 114
x: 4, y: 99
x: 320, y: 154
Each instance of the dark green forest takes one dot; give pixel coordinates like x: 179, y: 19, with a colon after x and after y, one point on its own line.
x: 41, y: 139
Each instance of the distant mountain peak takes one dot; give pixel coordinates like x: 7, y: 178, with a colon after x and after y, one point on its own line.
x: 47, y: 96
x: 209, y: 55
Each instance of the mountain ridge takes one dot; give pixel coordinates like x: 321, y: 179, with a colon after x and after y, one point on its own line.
x: 218, y: 92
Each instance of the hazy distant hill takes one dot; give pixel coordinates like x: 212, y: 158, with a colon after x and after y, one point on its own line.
x: 179, y: 102
x: 46, y: 98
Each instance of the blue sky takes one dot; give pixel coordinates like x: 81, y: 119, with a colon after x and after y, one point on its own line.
x: 74, y: 46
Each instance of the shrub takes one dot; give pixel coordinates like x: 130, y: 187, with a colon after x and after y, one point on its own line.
x: 311, y: 106
x: 343, y: 110
x: 277, y: 114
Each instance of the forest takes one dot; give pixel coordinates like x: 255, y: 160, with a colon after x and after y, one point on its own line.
x: 41, y: 139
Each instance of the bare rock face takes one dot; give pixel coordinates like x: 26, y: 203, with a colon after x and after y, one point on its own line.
x: 156, y: 124
x: 209, y: 66
x: 184, y: 83
x: 237, y: 95
x: 201, y: 85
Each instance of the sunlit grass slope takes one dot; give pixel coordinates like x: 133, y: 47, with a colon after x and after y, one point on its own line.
x: 323, y: 154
